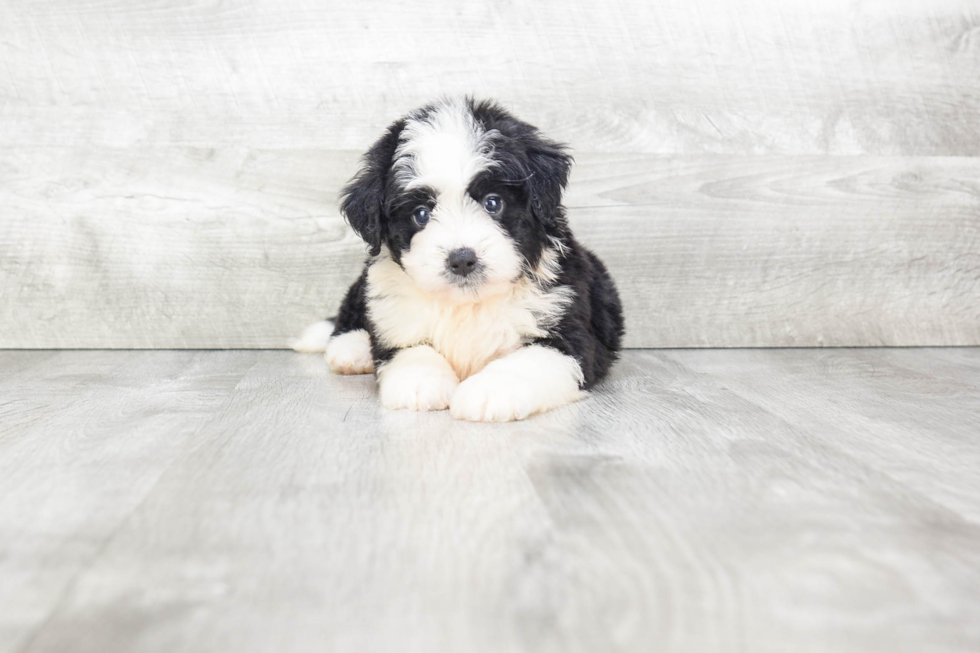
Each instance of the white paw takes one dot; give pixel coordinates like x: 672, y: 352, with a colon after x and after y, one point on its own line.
x: 350, y: 353
x: 417, y: 379
x: 531, y: 380
x: 408, y: 390
x: 491, y: 396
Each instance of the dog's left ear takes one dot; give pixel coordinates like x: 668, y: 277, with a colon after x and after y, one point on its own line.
x: 363, y: 199
x: 548, y: 164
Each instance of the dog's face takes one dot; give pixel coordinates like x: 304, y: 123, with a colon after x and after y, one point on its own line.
x: 464, y: 197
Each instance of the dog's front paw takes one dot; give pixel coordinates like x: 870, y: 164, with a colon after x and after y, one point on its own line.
x: 491, y: 396
x: 423, y: 383
x: 405, y: 390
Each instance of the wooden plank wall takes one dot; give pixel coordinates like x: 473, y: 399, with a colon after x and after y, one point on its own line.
x: 755, y: 172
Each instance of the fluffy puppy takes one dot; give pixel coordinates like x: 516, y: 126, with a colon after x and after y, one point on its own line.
x: 475, y: 296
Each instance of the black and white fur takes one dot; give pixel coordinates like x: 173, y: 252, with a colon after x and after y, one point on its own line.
x: 476, y: 297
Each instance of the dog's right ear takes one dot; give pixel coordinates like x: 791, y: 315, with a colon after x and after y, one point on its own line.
x: 363, y: 198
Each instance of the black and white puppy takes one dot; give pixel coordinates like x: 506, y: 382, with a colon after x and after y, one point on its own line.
x: 475, y: 297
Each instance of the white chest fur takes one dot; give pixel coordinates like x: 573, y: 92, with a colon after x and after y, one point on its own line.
x: 468, y: 335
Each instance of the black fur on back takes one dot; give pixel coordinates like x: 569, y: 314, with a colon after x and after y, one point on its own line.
x: 591, y: 331
x: 353, y: 309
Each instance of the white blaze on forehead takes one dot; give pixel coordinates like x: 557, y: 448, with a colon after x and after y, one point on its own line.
x: 444, y: 150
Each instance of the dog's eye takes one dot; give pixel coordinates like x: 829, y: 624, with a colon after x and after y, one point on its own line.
x: 422, y: 216
x: 493, y: 204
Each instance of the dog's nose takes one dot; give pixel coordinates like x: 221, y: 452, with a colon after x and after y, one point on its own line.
x: 462, y: 261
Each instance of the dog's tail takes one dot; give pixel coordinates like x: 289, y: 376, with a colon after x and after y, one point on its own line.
x: 314, y: 337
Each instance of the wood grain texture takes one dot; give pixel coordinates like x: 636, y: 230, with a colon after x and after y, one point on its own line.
x: 935, y: 415
x: 73, y: 483
x: 756, y: 172
x: 804, y: 500
x: 745, y: 76
x: 205, y: 248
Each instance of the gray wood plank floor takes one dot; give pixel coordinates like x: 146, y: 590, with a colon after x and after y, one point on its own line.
x: 709, y: 500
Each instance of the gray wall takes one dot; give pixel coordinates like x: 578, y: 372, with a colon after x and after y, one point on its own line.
x: 755, y: 172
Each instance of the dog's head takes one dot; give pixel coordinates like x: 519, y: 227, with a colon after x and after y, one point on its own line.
x: 463, y: 196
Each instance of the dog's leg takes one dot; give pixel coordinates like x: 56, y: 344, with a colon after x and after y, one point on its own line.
x: 350, y: 353
x: 531, y: 380
x: 345, y: 353
x: 417, y: 378
x: 344, y: 338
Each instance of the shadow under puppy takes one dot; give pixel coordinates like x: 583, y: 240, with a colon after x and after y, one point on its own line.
x: 475, y: 297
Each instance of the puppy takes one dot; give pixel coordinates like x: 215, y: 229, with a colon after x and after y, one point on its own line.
x: 475, y: 296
